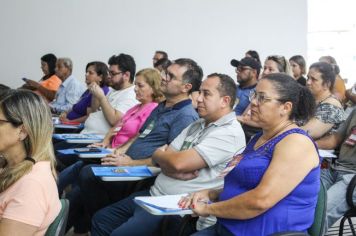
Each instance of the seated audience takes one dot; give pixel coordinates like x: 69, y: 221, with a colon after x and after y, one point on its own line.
x: 329, y: 111
x: 298, y: 65
x: 118, y: 101
x: 273, y: 64
x: 28, y: 195
x: 110, y: 108
x: 49, y: 83
x: 337, y: 177
x: 165, y: 122
x: 69, y: 91
x: 247, y: 71
x: 339, y: 87
x: 148, y: 92
x: 193, y: 161
x: 95, y: 72
x: 256, y: 198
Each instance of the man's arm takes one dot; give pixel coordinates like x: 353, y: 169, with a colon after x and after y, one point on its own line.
x: 110, y: 114
x: 182, y: 161
x: 329, y: 142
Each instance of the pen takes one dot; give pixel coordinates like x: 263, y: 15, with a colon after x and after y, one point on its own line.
x: 205, y: 201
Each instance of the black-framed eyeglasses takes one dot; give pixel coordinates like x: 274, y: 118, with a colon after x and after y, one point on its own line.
x: 111, y: 73
x: 168, y: 76
x: 242, y: 68
x: 260, y: 97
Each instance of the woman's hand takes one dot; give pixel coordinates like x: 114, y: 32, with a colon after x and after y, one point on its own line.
x: 33, y: 84
x: 116, y: 160
x: 188, y: 201
x: 100, y: 145
x: 63, y: 117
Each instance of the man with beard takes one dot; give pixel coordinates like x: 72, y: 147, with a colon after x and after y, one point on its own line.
x: 121, y: 98
x: 247, y: 70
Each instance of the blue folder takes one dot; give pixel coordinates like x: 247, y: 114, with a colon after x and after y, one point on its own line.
x: 122, y: 171
x: 71, y: 151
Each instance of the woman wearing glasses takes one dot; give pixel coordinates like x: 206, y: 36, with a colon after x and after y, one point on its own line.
x: 256, y: 198
x: 329, y: 111
x: 273, y: 64
x: 96, y: 72
x: 28, y: 195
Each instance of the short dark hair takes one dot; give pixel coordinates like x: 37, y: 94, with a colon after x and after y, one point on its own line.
x: 327, y: 73
x: 163, y: 53
x: 300, y: 61
x: 194, y: 73
x: 51, y: 60
x: 254, y: 55
x: 125, y: 63
x: 164, y: 62
x: 101, y: 69
x: 227, y: 87
x: 289, y: 90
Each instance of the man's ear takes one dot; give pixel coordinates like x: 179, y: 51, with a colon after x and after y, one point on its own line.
x: 226, y: 101
x: 187, y: 87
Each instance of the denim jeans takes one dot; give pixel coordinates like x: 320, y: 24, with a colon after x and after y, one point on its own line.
x: 77, y: 216
x: 125, y: 218
x: 336, y: 183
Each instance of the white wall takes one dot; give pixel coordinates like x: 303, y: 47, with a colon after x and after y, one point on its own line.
x: 210, y: 31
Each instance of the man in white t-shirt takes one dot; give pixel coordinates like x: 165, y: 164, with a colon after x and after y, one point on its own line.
x: 121, y: 98
x: 111, y: 107
x: 194, y: 161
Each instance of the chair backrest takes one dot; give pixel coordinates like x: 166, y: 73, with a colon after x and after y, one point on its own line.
x: 318, y: 225
x: 58, y: 226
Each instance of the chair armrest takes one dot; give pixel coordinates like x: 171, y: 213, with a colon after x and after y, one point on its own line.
x: 350, y: 192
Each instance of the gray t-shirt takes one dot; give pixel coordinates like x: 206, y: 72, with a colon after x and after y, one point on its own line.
x: 347, y: 157
x: 216, y: 145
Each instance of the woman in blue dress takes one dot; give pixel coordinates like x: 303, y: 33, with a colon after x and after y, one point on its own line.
x: 273, y: 185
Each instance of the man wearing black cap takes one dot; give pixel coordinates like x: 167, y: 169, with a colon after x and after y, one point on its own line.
x: 247, y: 70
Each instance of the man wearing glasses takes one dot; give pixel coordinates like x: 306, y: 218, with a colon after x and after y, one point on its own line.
x: 164, y: 124
x: 247, y: 70
x: 121, y: 98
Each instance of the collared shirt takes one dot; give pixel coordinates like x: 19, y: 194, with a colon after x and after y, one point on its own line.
x: 216, y: 144
x: 162, y: 127
x: 242, y: 99
x: 68, y: 94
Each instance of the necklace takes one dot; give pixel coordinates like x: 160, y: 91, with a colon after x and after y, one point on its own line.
x: 274, y: 134
x: 321, y: 101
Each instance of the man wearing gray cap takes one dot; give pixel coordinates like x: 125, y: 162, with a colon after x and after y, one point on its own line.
x: 247, y: 70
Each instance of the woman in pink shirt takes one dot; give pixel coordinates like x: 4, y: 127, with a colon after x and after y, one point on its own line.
x: 28, y: 194
x: 148, y: 92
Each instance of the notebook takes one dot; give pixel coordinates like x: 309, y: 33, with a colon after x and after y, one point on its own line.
x: 163, y: 205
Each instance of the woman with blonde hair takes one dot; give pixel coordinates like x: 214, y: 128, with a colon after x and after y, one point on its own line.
x: 148, y: 92
x: 28, y: 195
